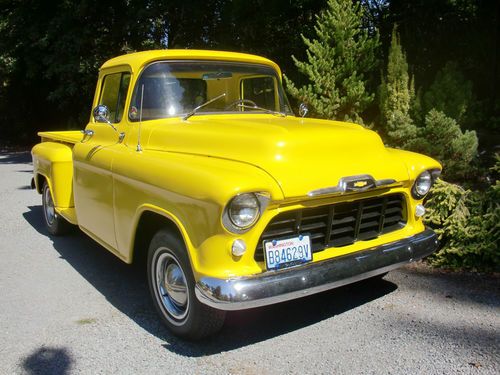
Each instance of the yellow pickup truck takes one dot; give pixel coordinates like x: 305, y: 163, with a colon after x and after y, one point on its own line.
x: 194, y: 162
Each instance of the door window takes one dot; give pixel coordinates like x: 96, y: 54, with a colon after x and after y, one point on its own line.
x: 114, y: 93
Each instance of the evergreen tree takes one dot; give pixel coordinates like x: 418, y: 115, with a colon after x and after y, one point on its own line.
x: 438, y: 135
x: 396, y: 96
x: 338, y: 63
x: 450, y: 93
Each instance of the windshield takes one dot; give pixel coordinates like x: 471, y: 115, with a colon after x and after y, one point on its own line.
x: 177, y: 88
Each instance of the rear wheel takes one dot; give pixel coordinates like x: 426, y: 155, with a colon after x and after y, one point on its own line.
x: 55, y: 223
x: 171, y: 283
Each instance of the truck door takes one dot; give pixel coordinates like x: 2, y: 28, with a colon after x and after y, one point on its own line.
x: 93, y: 160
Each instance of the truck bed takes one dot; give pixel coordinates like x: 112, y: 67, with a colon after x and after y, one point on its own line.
x: 67, y: 136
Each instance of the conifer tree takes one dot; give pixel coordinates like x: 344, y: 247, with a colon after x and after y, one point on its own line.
x: 396, y: 96
x: 450, y: 93
x: 338, y: 62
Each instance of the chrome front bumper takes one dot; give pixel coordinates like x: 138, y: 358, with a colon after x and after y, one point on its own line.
x: 277, y: 286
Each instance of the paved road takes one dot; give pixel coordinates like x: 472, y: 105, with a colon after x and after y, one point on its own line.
x: 68, y: 306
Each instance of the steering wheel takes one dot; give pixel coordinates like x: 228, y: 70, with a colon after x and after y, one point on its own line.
x: 241, y: 101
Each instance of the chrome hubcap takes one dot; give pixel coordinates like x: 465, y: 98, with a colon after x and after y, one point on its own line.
x: 50, y: 212
x: 171, y: 286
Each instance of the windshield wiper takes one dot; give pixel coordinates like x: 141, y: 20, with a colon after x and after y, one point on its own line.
x: 276, y: 113
x: 189, y: 114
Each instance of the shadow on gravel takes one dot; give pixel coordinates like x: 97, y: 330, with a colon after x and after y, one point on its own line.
x: 485, y: 338
x: 464, y: 287
x: 126, y: 288
x: 48, y: 361
x: 15, y: 157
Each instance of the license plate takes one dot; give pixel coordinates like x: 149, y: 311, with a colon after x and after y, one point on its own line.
x: 287, y: 252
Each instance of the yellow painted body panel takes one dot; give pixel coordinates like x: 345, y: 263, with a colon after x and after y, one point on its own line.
x: 54, y: 161
x: 188, y: 170
x: 69, y: 137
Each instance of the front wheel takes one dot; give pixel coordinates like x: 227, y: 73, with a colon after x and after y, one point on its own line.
x: 55, y: 224
x: 171, y: 283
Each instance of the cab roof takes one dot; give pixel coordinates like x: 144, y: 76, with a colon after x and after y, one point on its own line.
x: 137, y: 60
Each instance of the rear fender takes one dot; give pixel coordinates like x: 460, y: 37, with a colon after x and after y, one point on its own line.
x: 54, y: 161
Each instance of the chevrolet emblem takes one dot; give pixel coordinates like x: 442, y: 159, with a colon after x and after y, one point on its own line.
x: 360, y: 184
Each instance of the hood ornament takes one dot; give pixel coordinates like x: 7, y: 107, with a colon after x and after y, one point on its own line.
x: 303, y: 110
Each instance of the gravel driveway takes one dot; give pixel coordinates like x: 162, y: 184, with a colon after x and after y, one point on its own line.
x: 68, y: 306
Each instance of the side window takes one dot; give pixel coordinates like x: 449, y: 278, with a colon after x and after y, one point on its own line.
x: 260, y: 90
x: 114, y: 93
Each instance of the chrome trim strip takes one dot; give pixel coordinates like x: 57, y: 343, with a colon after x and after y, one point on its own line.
x: 277, y: 286
x: 324, y: 191
x: 388, y: 181
x: 348, y: 184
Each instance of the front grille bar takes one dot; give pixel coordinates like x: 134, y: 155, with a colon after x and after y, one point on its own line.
x: 339, y: 224
x: 331, y: 214
x: 382, y: 215
x: 359, y: 215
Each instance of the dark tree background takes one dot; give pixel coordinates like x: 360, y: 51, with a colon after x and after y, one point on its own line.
x: 50, y: 51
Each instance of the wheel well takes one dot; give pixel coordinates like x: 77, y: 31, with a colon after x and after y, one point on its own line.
x: 39, y: 180
x: 149, y: 224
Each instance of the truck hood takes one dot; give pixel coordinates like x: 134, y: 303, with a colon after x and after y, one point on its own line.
x: 302, y: 155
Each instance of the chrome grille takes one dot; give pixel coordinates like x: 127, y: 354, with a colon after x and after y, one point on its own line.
x: 339, y: 224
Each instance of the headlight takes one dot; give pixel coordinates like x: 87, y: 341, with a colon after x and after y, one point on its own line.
x: 422, y: 185
x: 244, y: 210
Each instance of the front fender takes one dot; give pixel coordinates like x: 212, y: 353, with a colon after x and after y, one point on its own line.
x: 192, y: 189
x: 415, y: 163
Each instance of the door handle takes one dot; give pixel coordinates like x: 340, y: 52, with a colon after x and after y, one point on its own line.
x: 86, y: 134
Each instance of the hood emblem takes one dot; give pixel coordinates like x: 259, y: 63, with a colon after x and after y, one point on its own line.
x: 357, y: 183
x: 360, y: 184
x: 352, y: 184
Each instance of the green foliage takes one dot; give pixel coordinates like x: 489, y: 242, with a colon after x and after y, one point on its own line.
x: 395, y: 98
x: 438, y: 135
x: 468, y: 225
x: 416, y: 110
x: 338, y: 64
x: 437, y: 31
x: 442, y: 138
x: 450, y: 93
x: 50, y: 52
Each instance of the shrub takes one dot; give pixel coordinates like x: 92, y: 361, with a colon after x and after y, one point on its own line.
x: 442, y: 139
x: 450, y: 93
x: 468, y: 225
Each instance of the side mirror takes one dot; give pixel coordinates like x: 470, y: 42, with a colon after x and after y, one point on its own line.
x: 101, y: 114
x: 303, y: 110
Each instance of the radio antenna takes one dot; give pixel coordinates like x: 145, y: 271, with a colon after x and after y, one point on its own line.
x: 139, y: 148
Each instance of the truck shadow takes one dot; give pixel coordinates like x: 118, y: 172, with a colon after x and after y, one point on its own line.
x: 125, y: 287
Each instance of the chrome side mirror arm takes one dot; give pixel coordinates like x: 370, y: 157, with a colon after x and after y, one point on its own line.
x: 101, y: 114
